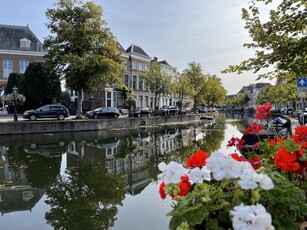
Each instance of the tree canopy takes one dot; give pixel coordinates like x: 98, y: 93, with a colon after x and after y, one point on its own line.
x: 279, y: 43
x: 158, y: 81
x: 81, y: 48
x: 46, y: 85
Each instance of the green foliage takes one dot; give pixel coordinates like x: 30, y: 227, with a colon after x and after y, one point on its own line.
x: 81, y: 48
x: 15, y: 79
x: 158, y: 81
x: 39, y: 86
x: 287, y: 89
x: 280, y: 42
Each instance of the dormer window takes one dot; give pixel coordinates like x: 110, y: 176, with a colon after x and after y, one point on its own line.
x: 25, y: 43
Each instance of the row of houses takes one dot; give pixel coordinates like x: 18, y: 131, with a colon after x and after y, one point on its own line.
x: 19, y: 47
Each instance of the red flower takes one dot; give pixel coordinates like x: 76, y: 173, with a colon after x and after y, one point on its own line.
x: 275, y: 141
x: 236, y: 142
x: 237, y: 157
x: 198, y: 159
x: 286, y: 161
x: 184, y: 186
x: 254, y: 128
x: 162, y: 190
x: 300, y: 136
x: 263, y: 111
x: 255, y: 162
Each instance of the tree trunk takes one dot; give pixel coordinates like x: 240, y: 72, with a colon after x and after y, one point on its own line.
x: 79, y: 103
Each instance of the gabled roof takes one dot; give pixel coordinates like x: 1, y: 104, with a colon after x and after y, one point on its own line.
x: 261, y: 85
x: 137, y: 50
x: 10, y: 37
x: 120, y: 47
x: 164, y: 62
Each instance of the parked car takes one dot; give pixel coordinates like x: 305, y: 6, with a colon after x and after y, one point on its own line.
x: 202, y: 110
x: 140, y: 111
x: 185, y: 110
x: 301, y: 116
x: 103, y: 112
x: 3, y: 112
x: 47, y: 111
x: 167, y: 110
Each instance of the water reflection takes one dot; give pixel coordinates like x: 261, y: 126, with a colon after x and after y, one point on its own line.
x: 86, y: 176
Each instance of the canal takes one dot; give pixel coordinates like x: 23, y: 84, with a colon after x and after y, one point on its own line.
x: 98, y: 180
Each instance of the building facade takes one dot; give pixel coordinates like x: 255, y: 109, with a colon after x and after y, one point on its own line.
x: 18, y: 48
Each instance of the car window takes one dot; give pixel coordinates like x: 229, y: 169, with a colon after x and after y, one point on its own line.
x: 55, y: 108
x: 44, y: 108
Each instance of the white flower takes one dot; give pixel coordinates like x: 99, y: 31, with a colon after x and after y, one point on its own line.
x: 253, y: 217
x: 198, y: 175
x: 224, y: 167
x: 171, y: 173
x: 265, y: 182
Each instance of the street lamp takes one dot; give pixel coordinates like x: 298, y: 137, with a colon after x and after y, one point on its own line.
x: 15, y: 106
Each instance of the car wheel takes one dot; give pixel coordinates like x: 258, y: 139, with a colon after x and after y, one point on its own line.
x: 95, y: 116
x: 115, y: 116
x: 32, y: 117
x: 61, y: 117
x: 139, y: 114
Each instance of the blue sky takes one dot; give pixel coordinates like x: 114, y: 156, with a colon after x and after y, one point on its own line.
x: 209, y: 32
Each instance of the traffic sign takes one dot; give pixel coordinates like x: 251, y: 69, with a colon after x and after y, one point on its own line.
x: 302, y: 82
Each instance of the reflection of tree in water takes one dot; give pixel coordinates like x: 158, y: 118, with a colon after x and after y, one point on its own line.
x: 212, y: 140
x: 40, y: 171
x: 127, y: 147
x: 214, y: 136
x: 85, y: 199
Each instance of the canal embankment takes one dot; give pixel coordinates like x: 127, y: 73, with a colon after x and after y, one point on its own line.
x: 78, y: 125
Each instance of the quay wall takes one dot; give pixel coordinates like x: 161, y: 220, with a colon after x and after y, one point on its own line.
x: 74, y: 125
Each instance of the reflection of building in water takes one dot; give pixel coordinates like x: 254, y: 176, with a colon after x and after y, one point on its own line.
x: 19, y: 198
x: 15, y: 192
x: 134, y: 166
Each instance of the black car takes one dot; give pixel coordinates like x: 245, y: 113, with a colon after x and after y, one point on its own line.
x: 140, y: 111
x: 167, y: 110
x: 47, y: 111
x: 103, y: 112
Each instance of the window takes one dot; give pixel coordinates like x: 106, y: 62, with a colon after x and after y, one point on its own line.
x: 25, y: 43
x: 109, y: 99
x: 134, y: 82
x: 7, y: 67
x: 23, y: 64
x: 126, y: 80
x: 134, y: 65
x: 141, y: 67
x: 140, y: 83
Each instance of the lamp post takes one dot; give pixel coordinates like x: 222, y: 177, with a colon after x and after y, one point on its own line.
x: 15, y: 106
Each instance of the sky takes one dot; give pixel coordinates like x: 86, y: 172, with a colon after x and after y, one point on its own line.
x: 209, y: 32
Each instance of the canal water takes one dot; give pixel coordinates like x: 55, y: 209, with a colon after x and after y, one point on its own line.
x: 98, y: 180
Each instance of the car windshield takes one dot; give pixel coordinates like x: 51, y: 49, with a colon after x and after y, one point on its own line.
x: 97, y: 109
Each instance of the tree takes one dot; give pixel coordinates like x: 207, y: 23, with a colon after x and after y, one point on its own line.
x: 196, y: 80
x: 15, y: 79
x: 45, y: 84
x: 215, y: 93
x: 280, y: 42
x: 158, y: 81
x: 81, y: 48
x: 182, y: 88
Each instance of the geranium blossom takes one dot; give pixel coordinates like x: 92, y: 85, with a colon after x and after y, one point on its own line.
x: 236, y: 142
x: 286, y: 161
x: 184, y: 186
x: 198, y: 175
x: 253, y: 217
x: 263, y: 111
x: 254, y: 128
x: 171, y: 173
x: 198, y: 159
